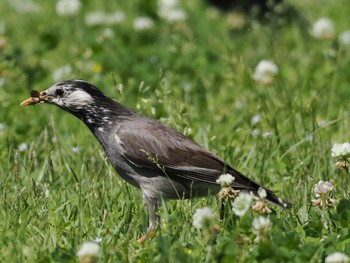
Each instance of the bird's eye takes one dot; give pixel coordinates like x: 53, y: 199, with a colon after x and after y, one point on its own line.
x: 59, y: 92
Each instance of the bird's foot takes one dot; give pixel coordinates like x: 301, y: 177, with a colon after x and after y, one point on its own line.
x: 144, y: 237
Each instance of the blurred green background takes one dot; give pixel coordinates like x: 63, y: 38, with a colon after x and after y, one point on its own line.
x: 191, y: 66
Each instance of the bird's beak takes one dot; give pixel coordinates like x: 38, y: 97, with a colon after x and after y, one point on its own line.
x: 36, y: 98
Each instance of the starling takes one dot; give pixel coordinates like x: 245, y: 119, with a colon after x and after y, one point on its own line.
x: 151, y: 156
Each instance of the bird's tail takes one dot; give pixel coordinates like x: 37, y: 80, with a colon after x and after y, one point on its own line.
x: 245, y: 184
x: 271, y: 197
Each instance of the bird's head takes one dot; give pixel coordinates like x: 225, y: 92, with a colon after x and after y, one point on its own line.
x: 70, y: 95
x: 83, y: 100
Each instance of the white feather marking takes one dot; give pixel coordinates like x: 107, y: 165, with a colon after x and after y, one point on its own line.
x: 100, y: 129
x: 78, y: 97
x: 117, y: 138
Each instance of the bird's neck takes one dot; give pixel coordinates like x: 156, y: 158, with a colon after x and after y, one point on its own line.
x: 102, y: 115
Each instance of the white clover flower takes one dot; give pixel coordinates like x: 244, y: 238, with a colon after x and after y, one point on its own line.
x: 76, y: 149
x: 256, y: 119
x: 27, y: 251
x: 202, y: 216
x: 187, y: 130
x: 23, y: 147
x: 143, y: 23
x: 99, y: 18
x: 330, y: 52
x: 337, y: 257
x: 241, y: 204
x: 344, y: 39
x: 2, y: 80
x: 225, y: 180
x: 323, y: 188
x: 240, y: 105
x: 167, y: 4
x: 88, y: 250
x: 267, y: 134
x: 323, y: 29
x: 170, y: 11
x: 24, y: 6
x: 47, y: 192
x: 114, y: 18
x: 262, y: 193
x: 262, y: 226
x: 154, y: 111
x: 255, y: 132
x: 309, y: 138
x: 175, y: 15
x: 322, y: 123
x: 98, y: 240
x: 61, y: 73
x: 94, y: 18
x: 68, y: 7
x: 341, y: 149
x: 261, y: 204
x: 265, y: 72
x: 107, y: 33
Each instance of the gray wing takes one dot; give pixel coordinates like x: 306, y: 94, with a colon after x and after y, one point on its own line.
x: 158, y: 147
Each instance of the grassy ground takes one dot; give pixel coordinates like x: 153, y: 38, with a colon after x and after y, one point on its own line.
x: 56, y: 188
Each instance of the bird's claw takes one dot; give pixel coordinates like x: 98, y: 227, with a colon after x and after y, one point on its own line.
x: 144, y: 237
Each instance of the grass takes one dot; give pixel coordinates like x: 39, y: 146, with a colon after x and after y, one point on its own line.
x: 195, y: 76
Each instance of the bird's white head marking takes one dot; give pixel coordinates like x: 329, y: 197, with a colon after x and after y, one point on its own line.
x: 69, y: 97
x: 83, y: 100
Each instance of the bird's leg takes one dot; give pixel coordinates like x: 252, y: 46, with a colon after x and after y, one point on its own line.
x: 222, y: 210
x: 152, y: 207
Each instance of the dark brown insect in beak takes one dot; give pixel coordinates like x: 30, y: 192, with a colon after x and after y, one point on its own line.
x: 36, y: 97
x: 35, y: 94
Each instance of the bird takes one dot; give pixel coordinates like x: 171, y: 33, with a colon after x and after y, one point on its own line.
x: 157, y: 159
